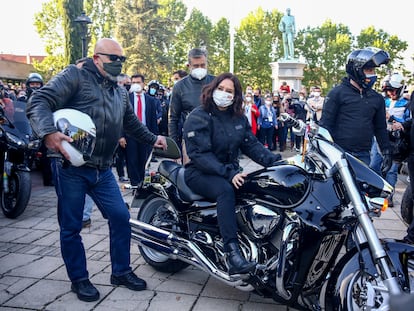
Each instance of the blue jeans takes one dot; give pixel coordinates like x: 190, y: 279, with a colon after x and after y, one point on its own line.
x: 87, y: 209
x: 376, y: 162
x: 71, y: 185
x: 364, y: 156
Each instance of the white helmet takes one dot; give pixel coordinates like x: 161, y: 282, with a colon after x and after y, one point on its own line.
x: 80, y: 127
x: 395, y: 82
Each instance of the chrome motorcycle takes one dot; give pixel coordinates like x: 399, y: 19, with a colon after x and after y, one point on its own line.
x: 294, y: 220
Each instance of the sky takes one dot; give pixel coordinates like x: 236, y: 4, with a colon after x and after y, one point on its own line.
x: 355, y: 14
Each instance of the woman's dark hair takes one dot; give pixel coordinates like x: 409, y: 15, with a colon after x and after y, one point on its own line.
x: 207, y: 94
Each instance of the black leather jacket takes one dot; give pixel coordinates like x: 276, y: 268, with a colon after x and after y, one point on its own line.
x: 213, y: 141
x: 87, y: 91
x: 353, y: 117
x: 184, y: 98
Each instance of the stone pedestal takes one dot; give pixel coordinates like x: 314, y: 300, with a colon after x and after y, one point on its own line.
x: 290, y: 71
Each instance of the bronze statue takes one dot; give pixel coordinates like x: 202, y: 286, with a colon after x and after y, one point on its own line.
x: 288, y: 29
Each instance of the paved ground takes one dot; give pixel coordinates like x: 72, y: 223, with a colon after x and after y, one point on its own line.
x: 33, y: 277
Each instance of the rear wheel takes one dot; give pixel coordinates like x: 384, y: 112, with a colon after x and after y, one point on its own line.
x: 155, y: 212
x: 14, y: 202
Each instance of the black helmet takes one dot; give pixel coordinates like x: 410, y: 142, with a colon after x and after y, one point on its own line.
x: 361, y: 59
x: 34, y: 77
x: 153, y: 87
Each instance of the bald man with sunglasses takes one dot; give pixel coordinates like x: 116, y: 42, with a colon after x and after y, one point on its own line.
x: 91, y: 89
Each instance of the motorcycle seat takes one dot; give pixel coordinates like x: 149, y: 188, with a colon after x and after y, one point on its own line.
x: 174, y: 172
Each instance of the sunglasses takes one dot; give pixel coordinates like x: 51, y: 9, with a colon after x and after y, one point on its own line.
x: 114, y: 57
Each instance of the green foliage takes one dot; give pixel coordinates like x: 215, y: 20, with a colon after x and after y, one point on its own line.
x: 72, y: 30
x: 325, y: 50
x: 256, y: 45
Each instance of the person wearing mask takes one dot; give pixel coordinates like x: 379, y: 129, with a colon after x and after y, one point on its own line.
x: 257, y: 97
x: 33, y: 83
x: 396, y: 111
x: 124, y: 80
x: 267, y: 122
x: 354, y: 112
x: 213, y: 170
x: 298, y: 104
x: 145, y: 108
x: 186, y: 95
x: 165, y: 105
x: 92, y: 90
x: 278, y: 134
x: 315, y: 104
x: 20, y: 119
x: 251, y: 112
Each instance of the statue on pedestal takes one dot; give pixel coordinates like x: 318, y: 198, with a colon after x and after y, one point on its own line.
x: 288, y: 28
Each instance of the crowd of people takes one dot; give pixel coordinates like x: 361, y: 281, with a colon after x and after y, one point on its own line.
x: 133, y: 116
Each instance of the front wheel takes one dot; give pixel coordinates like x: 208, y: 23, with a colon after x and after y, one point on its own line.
x: 154, y: 211
x: 351, y: 288
x: 14, y: 202
x: 407, y: 205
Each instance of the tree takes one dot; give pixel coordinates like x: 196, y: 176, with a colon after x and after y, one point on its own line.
x: 390, y: 43
x: 145, y: 29
x: 254, y: 49
x: 219, y: 54
x: 324, y: 50
x: 73, y: 31
x: 47, y: 23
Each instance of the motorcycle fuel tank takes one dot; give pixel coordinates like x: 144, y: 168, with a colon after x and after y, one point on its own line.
x: 285, y: 186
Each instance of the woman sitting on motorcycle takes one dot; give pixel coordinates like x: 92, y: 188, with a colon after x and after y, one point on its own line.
x: 214, y: 133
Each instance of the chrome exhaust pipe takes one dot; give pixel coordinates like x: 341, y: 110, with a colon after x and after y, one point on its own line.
x: 178, y: 248
x: 280, y: 273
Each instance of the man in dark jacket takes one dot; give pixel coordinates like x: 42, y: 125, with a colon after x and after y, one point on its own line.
x: 408, y: 129
x: 92, y: 90
x: 137, y: 153
x: 353, y: 112
x: 186, y: 94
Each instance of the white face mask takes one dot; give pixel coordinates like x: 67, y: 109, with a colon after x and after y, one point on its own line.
x: 199, y: 73
x: 222, y: 99
x: 316, y: 94
x: 248, y: 99
x: 268, y: 102
x: 135, y: 87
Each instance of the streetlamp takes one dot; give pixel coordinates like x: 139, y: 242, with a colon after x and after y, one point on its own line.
x: 83, y: 20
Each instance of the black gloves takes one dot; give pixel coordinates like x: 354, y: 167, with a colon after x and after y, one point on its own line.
x: 386, y: 162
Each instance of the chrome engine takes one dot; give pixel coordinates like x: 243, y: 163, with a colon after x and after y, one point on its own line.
x: 258, y: 221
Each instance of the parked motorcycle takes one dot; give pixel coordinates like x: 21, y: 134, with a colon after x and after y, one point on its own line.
x: 16, y: 150
x: 294, y: 220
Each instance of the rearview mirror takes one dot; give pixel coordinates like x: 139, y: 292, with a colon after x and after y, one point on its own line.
x: 172, y: 152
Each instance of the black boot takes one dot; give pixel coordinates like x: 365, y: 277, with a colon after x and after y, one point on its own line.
x: 235, y: 260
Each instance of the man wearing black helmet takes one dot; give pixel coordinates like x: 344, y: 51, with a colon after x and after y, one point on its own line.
x: 33, y: 83
x: 354, y: 113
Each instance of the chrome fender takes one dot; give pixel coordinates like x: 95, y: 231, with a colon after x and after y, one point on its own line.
x: 398, y: 254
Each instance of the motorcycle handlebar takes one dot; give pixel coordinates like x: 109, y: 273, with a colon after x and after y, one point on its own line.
x: 297, y: 124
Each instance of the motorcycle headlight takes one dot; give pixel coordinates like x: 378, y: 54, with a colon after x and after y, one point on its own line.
x: 15, y: 140
x: 34, y: 144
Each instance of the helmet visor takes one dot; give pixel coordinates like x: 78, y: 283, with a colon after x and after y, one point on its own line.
x: 83, y: 141
x: 379, y: 58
